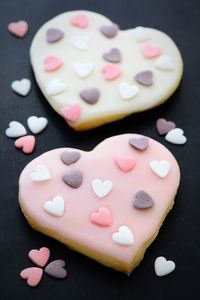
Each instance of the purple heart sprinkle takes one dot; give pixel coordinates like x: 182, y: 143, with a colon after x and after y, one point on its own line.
x: 113, y: 56
x: 53, y: 35
x: 73, y: 179
x: 139, y: 143
x: 69, y: 158
x: 144, y: 78
x: 56, y: 269
x: 91, y: 96
x: 142, y: 200
x: 110, y: 31
x: 163, y: 126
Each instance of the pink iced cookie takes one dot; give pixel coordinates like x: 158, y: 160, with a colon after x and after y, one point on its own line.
x: 108, y: 203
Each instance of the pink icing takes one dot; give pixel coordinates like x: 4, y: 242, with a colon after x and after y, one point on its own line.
x: 81, y: 203
x: 39, y: 257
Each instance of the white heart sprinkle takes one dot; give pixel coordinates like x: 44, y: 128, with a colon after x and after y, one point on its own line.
x: 56, y: 86
x: 165, y: 63
x: 141, y: 34
x: 55, y: 207
x: 21, y: 87
x: 128, y: 91
x: 176, y: 136
x: 123, y: 237
x: 160, y: 168
x: 163, y: 267
x: 83, y: 69
x: 79, y: 42
x: 40, y: 174
x: 16, y: 129
x: 36, y: 124
x: 101, y: 188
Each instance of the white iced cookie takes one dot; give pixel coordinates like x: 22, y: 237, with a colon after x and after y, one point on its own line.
x: 92, y: 73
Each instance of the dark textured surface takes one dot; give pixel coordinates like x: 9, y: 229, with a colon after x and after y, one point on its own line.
x: 179, y: 238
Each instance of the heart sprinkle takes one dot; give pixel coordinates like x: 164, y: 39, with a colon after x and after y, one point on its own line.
x: 33, y: 275
x: 141, y: 143
x: 18, y: 29
x: 21, y: 87
x: 150, y: 51
x: 36, y: 125
x: 71, y: 112
x: 123, y: 237
x: 56, y: 269
x: 15, y: 129
x: 101, y: 188
x: 111, y: 72
x: 102, y: 217
x: 39, y: 257
x: 40, y: 174
x: 125, y: 163
x: 80, y: 21
x: 165, y: 63
x: 79, y: 42
x: 144, y: 78
x: 83, y: 69
x: 54, y: 35
x: 55, y: 207
x: 163, y: 267
x: 163, y: 126
x: 69, y: 158
x: 73, y: 179
x: 128, y: 91
x: 176, y: 136
x: 160, y: 168
x: 26, y: 143
x: 110, y: 31
x: 91, y: 96
x: 52, y: 63
x: 141, y: 34
x: 113, y: 56
x: 142, y: 200
x: 55, y: 86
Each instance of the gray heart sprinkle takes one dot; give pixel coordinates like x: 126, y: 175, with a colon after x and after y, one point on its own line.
x: 142, y: 200
x: 163, y: 126
x: 109, y: 31
x: 139, y: 143
x: 69, y: 158
x: 113, y: 55
x: 73, y: 179
x: 56, y: 269
x: 54, y: 35
x: 144, y: 78
x: 91, y: 96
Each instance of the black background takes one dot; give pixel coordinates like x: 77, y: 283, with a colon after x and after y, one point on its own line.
x: 179, y: 238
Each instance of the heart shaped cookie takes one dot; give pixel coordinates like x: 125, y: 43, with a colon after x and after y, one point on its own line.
x: 113, y: 214
x: 134, y: 70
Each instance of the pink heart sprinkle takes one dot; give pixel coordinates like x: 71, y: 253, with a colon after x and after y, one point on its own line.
x: 19, y: 28
x: 125, y: 163
x: 103, y: 217
x: 111, y: 72
x: 80, y: 21
x: 52, y: 63
x: 39, y: 257
x: 27, y: 143
x: 150, y: 51
x: 71, y: 112
x: 33, y: 275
